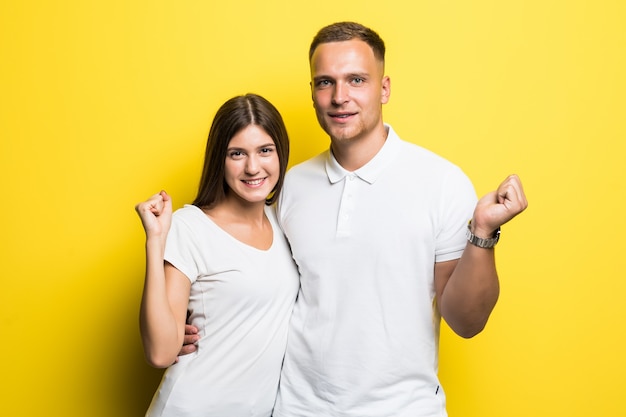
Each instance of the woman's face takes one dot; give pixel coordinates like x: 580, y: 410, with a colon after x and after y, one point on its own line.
x: 252, y: 165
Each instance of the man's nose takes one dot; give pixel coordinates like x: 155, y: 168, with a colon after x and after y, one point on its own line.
x: 340, y: 94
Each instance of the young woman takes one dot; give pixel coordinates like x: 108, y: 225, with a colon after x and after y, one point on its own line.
x: 223, y: 264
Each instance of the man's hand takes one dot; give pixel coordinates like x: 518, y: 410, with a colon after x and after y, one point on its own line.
x: 498, y: 207
x: 190, y: 340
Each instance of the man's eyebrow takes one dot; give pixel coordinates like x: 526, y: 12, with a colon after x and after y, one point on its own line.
x: 348, y: 75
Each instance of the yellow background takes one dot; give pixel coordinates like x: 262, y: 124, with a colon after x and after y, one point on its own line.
x: 105, y: 103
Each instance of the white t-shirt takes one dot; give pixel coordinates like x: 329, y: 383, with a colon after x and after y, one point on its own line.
x: 363, y: 339
x: 241, y: 300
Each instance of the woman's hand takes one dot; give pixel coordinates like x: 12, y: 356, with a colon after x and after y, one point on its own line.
x: 156, y: 215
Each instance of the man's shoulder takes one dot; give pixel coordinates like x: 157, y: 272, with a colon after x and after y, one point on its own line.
x: 424, y: 156
x: 311, y: 165
x: 411, y: 149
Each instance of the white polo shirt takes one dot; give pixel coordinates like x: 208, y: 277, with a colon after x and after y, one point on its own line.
x: 364, y: 334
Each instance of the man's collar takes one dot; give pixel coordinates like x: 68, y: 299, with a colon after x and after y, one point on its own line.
x: 371, y: 170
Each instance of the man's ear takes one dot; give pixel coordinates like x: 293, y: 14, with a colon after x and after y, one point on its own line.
x: 386, y: 89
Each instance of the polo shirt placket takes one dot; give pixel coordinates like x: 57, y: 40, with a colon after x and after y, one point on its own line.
x: 346, y: 208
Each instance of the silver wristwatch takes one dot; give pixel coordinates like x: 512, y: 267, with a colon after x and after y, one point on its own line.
x: 485, y: 243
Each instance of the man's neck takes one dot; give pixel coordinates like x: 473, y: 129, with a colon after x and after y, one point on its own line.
x: 354, y: 154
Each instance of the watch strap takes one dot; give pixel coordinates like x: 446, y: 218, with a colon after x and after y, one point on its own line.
x: 481, y: 242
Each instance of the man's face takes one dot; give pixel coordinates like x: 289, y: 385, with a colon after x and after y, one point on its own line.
x: 348, y: 89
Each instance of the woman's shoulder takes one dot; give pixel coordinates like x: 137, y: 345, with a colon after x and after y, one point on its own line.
x: 189, y: 214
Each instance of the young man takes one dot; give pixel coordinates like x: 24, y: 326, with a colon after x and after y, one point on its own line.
x: 379, y: 230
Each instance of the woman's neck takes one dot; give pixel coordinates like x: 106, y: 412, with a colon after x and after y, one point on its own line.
x: 245, y: 222
x: 235, y: 210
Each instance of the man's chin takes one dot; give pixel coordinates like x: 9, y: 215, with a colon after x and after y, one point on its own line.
x: 340, y: 133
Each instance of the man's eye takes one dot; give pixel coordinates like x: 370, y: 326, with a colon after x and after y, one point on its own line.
x: 358, y: 81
